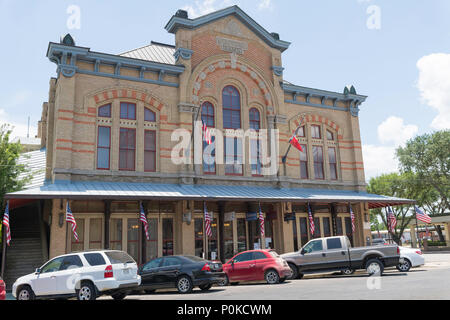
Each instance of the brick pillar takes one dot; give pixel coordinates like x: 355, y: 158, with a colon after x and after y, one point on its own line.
x: 58, y: 235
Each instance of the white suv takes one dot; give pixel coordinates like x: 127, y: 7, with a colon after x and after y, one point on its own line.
x: 85, y: 275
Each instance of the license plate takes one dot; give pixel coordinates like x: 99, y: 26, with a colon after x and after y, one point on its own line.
x: 126, y: 271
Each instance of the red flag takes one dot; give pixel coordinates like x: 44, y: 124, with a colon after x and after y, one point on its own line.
x: 294, y: 142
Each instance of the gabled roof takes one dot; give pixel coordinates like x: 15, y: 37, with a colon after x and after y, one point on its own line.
x: 156, y: 52
x: 178, y: 21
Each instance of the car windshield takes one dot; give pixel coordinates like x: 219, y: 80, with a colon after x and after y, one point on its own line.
x: 119, y: 257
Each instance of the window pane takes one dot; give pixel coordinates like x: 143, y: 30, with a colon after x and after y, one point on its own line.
x: 334, y: 243
x: 317, y: 233
x: 330, y: 135
x: 152, y: 244
x: 339, y: 226
x: 127, y: 149
x: 209, y: 157
x: 133, y: 236
x: 150, y: 151
x: 241, y: 235
x: 104, y: 134
x: 115, y: 234
x: 332, y: 160
x: 304, y: 162
x: 105, y: 111
x: 326, y: 227
x: 228, y: 239
x: 318, y: 162
x: 198, y: 235
x: 149, y: 115
x: 208, y: 114
x: 95, y: 233
x: 231, y: 108
x: 315, y: 132
x: 167, y: 237
x: 303, y: 230
x: 103, y: 158
x: 94, y: 259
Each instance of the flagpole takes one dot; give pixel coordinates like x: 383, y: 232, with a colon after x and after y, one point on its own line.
x: 4, y: 247
x: 67, y: 231
x: 417, y: 230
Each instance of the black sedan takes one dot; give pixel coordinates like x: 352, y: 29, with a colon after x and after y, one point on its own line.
x: 180, y: 272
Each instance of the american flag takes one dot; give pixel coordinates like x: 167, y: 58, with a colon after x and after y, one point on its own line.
x: 206, y: 133
x: 261, y: 222
x: 207, y: 222
x: 143, y: 219
x: 392, y: 221
x: 352, y: 216
x: 422, y: 216
x: 312, y: 227
x: 6, y: 224
x: 70, y: 219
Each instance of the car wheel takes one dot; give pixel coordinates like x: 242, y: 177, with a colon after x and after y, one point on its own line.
x: 374, y: 267
x: 119, y: 296
x: 405, y: 266
x: 86, y: 292
x: 184, y: 284
x: 348, y: 271
x: 272, y: 277
x: 25, y: 293
x: 294, y: 270
x: 224, y: 282
x: 205, y: 287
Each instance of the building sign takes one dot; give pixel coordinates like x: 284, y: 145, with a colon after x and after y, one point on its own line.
x: 232, y: 46
x: 251, y: 216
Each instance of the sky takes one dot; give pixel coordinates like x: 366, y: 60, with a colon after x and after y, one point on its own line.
x: 395, y: 52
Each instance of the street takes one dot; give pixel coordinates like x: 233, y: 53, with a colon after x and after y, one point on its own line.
x: 429, y: 282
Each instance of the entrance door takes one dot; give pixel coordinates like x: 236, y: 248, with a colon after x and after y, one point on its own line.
x: 168, y: 244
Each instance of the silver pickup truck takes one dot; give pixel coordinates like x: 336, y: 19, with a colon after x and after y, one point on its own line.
x: 336, y: 254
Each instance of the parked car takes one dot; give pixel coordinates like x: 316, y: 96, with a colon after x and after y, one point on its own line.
x: 379, y: 242
x: 412, y: 258
x: 336, y: 254
x: 84, y: 275
x: 256, y: 265
x: 2, y: 289
x: 180, y: 272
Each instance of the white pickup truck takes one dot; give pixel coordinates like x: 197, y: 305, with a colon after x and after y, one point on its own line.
x: 331, y: 254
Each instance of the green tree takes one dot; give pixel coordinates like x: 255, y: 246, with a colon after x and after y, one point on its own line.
x: 10, y: 169
x: 394, y: 185
x: 428, y: 158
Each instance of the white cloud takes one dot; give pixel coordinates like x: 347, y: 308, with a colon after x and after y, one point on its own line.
x: 434, y: 86
x: 265, y: 4
x: 393, y: 130
x: 15, y: 102
x: 18, y: 129
x: 378, y: 160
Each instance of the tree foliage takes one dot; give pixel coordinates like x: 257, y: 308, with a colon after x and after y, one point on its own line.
x: 10, y: 169
x: 394, y: 185
x: 428, y: 158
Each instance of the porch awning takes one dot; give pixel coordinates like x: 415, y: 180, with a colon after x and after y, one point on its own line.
x: 90, y: 190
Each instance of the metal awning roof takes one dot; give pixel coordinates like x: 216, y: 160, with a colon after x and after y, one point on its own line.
x: 90, y: 190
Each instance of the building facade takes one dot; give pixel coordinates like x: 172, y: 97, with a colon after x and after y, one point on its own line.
x: 111, y: 129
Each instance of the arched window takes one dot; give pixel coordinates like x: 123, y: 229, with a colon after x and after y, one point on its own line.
x: 149, y: 115
x: 105, y: 111
x: 255, y: 119
x: 231, y: 108
x: 209, y: 151
x: 208, y: 114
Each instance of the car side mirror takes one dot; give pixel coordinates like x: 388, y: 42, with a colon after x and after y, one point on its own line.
x: 303, y: 251
x: 38, y: 271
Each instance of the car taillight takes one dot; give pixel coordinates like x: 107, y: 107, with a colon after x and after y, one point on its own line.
x: 419, y: 252
x: 206, y: 267
x: 2, y: 285
x: 109, y: 272
x: 398, y: 250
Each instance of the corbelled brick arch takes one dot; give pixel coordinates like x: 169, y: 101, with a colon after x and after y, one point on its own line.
x: 315, y: 118
x: 228, y: 62
x: 99, y: 97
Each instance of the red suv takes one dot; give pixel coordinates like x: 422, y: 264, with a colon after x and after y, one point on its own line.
x: 256, y: 265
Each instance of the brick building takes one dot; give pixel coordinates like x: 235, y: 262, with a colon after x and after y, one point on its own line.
x: 108, y: 125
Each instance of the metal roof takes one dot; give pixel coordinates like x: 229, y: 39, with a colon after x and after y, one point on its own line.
x: 88, y: 190
x: 35, y: 163
x: 156, y: 52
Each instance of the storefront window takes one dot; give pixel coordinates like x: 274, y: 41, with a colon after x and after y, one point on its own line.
x: 326, y: 227
x: 241, y: 235
x: 213, y: 253
x: 339, y: 226
x: 133, y: 238
x: 348, y: 229
x: 198, y: 230
x: 95, y: 233
x: 228, y: 239
x: 152, y: 244
x: 317, y: 233
x: 115, y: 234
x: 304, y: 230
x: 78, y: 246
x: 168, y: 237
x: 268, y: 234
